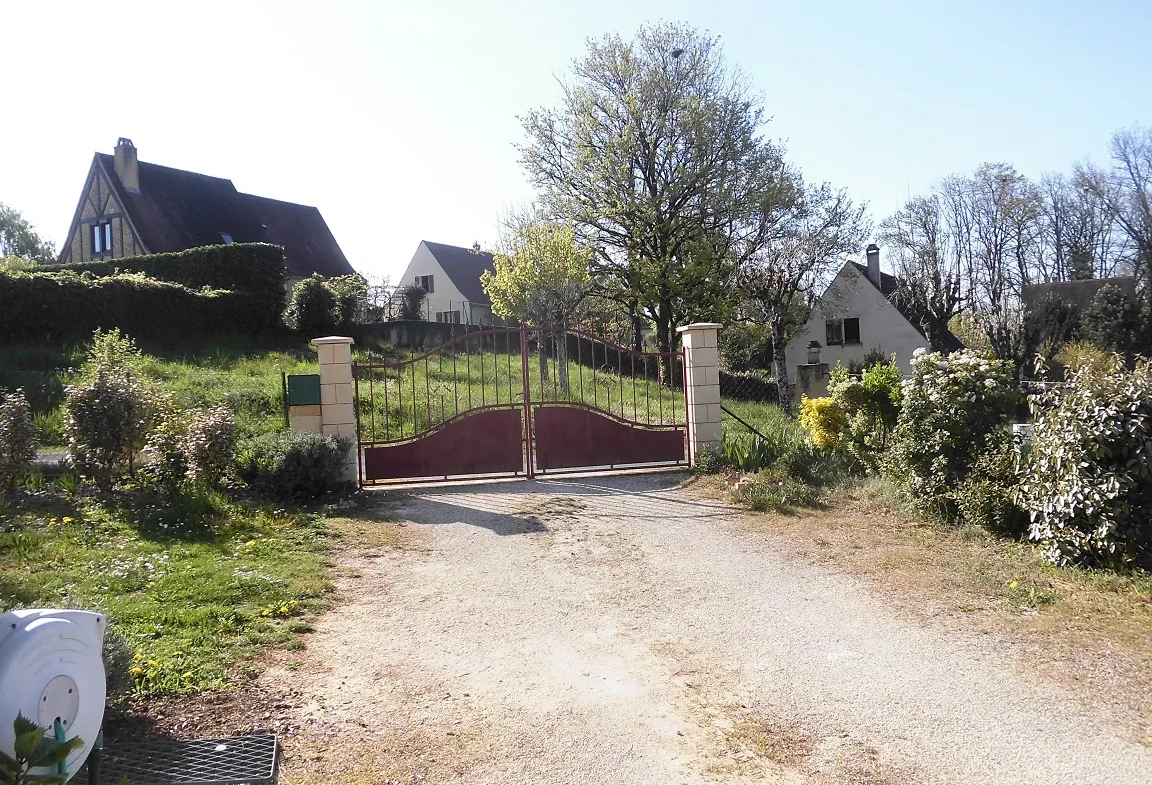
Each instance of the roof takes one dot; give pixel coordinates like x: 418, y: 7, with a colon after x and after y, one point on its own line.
x: 1078, y: 293
x: 175, y: 210
x: 463, y: 266
x: 889, y: 286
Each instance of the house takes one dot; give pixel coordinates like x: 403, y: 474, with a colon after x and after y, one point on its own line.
x: 451, y: 277
x: 858, y: 312
x: 129, y: 207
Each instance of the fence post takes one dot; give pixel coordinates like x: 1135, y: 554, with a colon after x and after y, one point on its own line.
x: 702, y: 385
x: 337, y: 413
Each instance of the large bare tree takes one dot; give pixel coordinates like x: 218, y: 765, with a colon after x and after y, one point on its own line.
x: 655, y: 156
x: 806, y: 240
x: 1125, y: 191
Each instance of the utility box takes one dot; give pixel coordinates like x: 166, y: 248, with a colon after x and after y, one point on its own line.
x: 304, y: 389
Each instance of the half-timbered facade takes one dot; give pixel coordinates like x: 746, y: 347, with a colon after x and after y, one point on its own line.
x: 129, y: 207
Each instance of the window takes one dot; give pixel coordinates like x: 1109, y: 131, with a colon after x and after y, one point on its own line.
x: 425, y: 283
x: 852, y: 331
x: 226, y: 237
x: 452, y: 317
x: 101, y: 238
x: 834, y: 332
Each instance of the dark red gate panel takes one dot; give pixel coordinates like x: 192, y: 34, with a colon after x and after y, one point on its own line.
x: 487, y: 442
x: 570, y: 436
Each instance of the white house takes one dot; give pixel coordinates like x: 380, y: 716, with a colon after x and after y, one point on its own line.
x: 451, y: 276
x: 858, y: 313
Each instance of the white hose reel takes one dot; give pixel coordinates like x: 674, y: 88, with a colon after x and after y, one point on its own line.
x: 51, y: 669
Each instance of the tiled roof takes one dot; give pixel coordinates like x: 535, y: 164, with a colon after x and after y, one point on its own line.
x: 889, y: 286
x: 175, y: 210
x: 464, y: 267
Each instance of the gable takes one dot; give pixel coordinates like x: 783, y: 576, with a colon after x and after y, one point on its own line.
x: 423, y: 262
x: 464, y: 267
x: 99, y: 202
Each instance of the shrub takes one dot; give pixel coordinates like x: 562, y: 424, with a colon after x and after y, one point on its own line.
x: 312, y: 308
x: 746, y: 346
x: 255, y: 272
x: 351, y: 293
x: 749, y: 386
x: 952, y: 407
x: 167, y: 465
x: 411, y: 303
x: 777, y: 491
x: 66, y: 305
x: 987, y: 496
x: 108, y: 419
x: 710, y: 460
x: 209, y: 445
x: 823, y: 420
x: 17, y: 440
x: 294, y: 465
x: 1088, y: 478
x: 1112, y: 322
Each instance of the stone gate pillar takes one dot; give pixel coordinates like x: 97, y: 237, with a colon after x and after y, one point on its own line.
x: 702, y: 376
x: 337, y: 413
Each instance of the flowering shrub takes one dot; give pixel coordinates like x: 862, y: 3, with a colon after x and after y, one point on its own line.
x: 209, y: 444
x: 17, y: 439
x: 1088, y: 478
x: 823, y: 420
x: 953, y: 406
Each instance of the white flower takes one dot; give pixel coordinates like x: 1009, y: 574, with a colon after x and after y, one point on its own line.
x: 989, y: 383
x: 920, y: 352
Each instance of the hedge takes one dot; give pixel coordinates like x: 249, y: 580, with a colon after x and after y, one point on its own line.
x: 254, y: 269
x: 749, y: 386
x: 65, y: 305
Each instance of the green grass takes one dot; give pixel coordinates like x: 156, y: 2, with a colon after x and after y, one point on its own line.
x: 768, y: 418
x: 406, y: 401
x: 244, y: 373
x: 190, y: 601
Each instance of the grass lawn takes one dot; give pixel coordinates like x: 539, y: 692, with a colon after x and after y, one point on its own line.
x: 190, y: 602
x: 245, y: 373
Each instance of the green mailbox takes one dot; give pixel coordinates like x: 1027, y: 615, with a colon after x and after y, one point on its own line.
x: 304, y: 389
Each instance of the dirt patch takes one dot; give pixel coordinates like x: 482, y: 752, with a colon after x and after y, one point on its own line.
x: 1092, y: 631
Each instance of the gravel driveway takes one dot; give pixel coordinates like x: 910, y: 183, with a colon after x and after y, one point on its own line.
x: 620, y: 630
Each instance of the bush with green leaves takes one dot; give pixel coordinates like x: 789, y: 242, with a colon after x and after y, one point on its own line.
x: 710, y: 460
x: 351, y: 295
x: 209, y: 444
x: 1087, y: 479
x: 17, y: 439
x: 35, y: 749
x: 987, y: 496
x: 953, y: 406
x: 312, y: 308
x: 294, y: 465
x: 410, y: 303
x: 1113, y: 321
x: 108, y: 418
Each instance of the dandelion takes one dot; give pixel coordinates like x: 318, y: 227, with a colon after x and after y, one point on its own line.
x: 151, y: 663
x: 265, y: 612
x: 284, y: 610
x: 68, y: 519
x: 136, y: 670
x: 250, y: 544
x: 1014, y: 585
x: 186, y: 674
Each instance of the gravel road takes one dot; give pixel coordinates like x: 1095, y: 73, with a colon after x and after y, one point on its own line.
x: 620, y: 630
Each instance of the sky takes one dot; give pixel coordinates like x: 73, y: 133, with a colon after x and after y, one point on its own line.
x: 399, y: 120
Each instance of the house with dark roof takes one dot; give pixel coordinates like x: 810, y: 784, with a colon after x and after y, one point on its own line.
x: 451, y: 277
x: 129, y: 207
x: 858, y: 312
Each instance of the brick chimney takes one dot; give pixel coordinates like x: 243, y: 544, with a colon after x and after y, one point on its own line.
x: 873, y: 253
x: 126, y: 164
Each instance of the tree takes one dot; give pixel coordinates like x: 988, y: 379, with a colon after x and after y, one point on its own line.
x: 541, y: 277
x: 1113, y: 320
x: 807, y: 240
x: 1079, y: 232
x: 1125, y: 191
x: 928, y: 267
x: 19, y: 238
x: 312, y: 307
x: 654, y: 157
x: 410, y: 305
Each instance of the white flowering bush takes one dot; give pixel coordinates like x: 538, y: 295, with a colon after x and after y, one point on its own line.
x: 1088, y: 477
x: 954, y: 407
x: 108, y: 419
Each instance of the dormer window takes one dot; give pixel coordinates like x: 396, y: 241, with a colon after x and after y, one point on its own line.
x: 226, y: 238
x: 101, y: 238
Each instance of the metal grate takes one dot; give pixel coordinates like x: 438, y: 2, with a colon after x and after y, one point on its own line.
x: 239, y: 760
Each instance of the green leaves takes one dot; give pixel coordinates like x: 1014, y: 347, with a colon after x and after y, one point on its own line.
x: 542, y: 277
x: 35, y: 750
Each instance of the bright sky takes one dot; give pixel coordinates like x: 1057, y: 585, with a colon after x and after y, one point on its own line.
x: 398, y: 119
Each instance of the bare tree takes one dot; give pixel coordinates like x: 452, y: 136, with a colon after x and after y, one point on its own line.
x: 1079, y: 233
x: 928, y: 266
x: 1125, y: 191
x: 805, y: 242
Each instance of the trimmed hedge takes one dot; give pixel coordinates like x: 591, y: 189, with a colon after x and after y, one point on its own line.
x: 253, y: 269
x: 60, y: 306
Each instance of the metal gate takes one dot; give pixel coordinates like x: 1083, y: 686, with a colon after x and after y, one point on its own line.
x: 518, y: 401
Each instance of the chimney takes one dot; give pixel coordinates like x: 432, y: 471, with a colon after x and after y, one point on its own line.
x: 476, y: 247
x: 873, y: 253
x: 126, y: 165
